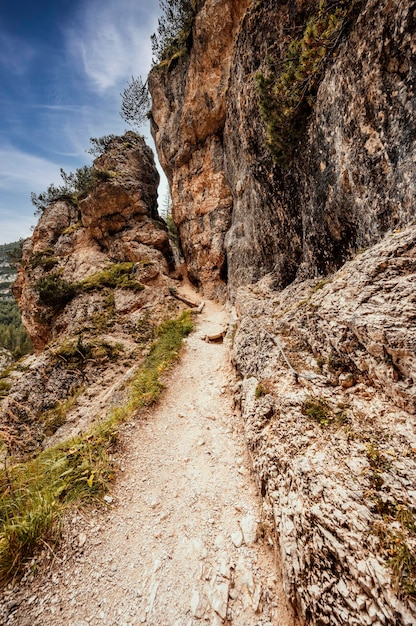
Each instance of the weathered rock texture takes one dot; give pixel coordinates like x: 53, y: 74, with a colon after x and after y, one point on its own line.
x: 189, y: 111
x: 116, y: 222
x: 334, y: 446
x: 338, y: 488
x: 353, y: 174
x: 87, y: 337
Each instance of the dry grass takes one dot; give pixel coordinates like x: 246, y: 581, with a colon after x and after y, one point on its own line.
x: 35, y: 495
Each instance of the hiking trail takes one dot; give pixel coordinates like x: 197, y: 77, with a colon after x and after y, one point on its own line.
x: 179, y: 542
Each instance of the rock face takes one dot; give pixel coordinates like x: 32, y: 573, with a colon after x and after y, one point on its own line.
x: 189, y: 111
x: 328, y: 366
x: 328, y: 401
x: 92, y: 285
x: 116, y: 222
x: 352, y: 176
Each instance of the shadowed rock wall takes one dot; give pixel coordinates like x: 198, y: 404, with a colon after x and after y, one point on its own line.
x: 352, y: 175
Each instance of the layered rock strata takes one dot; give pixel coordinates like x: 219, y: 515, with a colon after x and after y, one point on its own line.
x: 328, y: 401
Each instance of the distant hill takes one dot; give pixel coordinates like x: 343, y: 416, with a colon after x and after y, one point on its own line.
x: 13, y: 336
x: 7, y: 268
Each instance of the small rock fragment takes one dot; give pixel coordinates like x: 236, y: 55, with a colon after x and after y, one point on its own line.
x: 198, y: 605
x: 237, y: 539
x: 218, y: 597
x: 249, y: 529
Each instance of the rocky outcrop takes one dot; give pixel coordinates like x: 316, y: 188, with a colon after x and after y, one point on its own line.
x: 116, y: 222
x: 189, y: 111
x: 328, y: 401
x: 92, y: 286
x: 350, y: 180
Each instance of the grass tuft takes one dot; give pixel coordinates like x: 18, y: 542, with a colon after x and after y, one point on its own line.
x: 35, y: 495
x: 317, y: 409
x: 116, y: 275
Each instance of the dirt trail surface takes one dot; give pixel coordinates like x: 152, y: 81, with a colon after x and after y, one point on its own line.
x: 177, y: 545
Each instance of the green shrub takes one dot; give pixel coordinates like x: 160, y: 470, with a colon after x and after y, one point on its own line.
x: 72, y: 228
x: 396, y: 545
x: 100, y: 145
x: 262, y: 389
x: 318, y: 409
x: 116, y: 275
x: 287, y: 91
x: 43, y: 259
x: 106, y: 174
x: 135, y: 102
x: 173, y: 37
x: 76, y: 186
x: 54, y: 291
x: 75, y: 354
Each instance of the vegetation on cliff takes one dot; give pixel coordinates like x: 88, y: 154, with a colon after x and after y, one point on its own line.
x: 76, y: 185
x: 135, y: 102
x: 173, y: 36
x: 172, y: 40
x: 288, y: 88
x: 55, y: 292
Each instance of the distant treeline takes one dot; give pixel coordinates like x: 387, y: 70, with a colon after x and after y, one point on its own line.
x: 13, y: 335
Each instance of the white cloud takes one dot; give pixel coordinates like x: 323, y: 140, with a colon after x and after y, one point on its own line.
x: 24, y: 171
x: 21, y: 173
x: 15, y: 226
x: 110, y: 41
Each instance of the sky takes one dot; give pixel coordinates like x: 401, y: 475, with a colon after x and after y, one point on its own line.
x: 63, y: 65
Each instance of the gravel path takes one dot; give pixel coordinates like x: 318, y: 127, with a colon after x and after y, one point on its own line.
x: 177, y: 545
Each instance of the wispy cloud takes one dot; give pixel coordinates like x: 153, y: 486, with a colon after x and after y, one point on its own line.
x: 15, y: 226
x: 110, y: 41
x: 24, y: 171
x: 20, y: 174
x: 15, y: 54
x: 49, y: 112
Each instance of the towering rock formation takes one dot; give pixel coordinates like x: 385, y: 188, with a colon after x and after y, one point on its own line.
x: 189, y: 112
x: 327, y: 358
x: 116, y: 222
x: 351, y: 175
x: 92, y: 285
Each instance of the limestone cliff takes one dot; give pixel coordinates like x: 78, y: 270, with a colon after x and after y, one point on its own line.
x: 328, y: 400
x: 189, y: 112
x: 324, y: 344
x: 92, y: 285
x: 352, y: 175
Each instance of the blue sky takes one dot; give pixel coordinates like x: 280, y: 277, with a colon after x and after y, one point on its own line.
x: 63, y: 65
